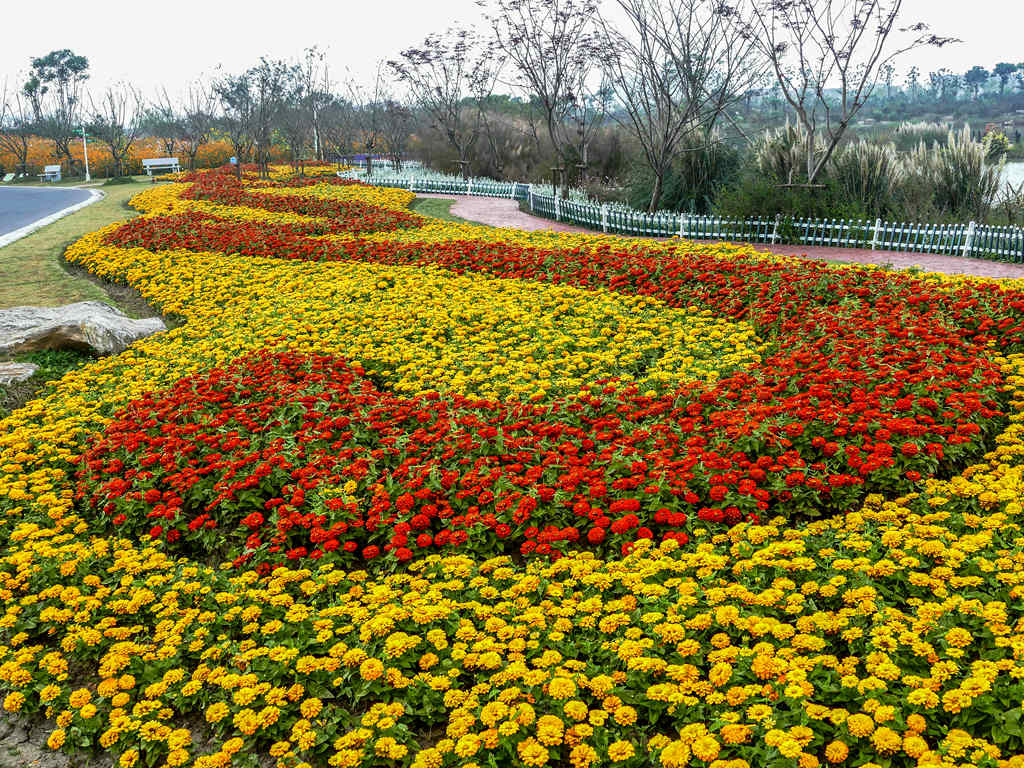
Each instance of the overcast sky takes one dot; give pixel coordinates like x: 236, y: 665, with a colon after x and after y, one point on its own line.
x: 168, y: 44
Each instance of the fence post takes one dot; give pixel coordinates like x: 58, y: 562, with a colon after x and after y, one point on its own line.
x: 412, y: 182
x: 682, y: 224
x: 604, y: 217
x: 558, y: 207
x: 874, y: 236
x: 969, y: 241
x: 530, y: 191
x: 469, y: 186
x: 775, y: 230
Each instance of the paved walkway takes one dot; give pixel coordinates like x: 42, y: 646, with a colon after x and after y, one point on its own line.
x: 22, y: 205
x: 499, y: 212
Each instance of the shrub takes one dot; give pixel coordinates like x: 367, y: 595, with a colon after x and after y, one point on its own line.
x: 704, y: 166
x: 963, y: 182
x: 869, y: 174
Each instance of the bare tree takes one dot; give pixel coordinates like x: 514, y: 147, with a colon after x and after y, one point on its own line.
x: 116, y: 120
x: 317, y: 86
x: 295, y: 119
x: 161, y: 121
x: 828, y: 56
x: 675, y: 71
x: 397, y: 126
x: 195, y: 120
x: 587, y: 104
x: 553, y: 45
x: 270, y: 80
x: 16, y: 127
x: 368, y: 108
x: 450, y: 76
x: 337, y: 128
x: 234, y: 93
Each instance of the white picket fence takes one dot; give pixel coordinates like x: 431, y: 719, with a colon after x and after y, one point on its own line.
x: 967, y: 240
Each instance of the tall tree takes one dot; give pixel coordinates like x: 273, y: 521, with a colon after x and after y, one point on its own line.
x: 235, y: 96
x: 1003, y: 70
x: 54, y: 89
x: 827, y: 57
x: 450, y: 77
x: 161, y: 121
x: 195, y: 120
x: 317, y: 80
x: 553, y: 46
x: 913, y: 82
x: 368, y: 106
x: 116, y: 119
x: 675, y: 70
x: 295, y: 120
x: 397, y: 126
x: 271, y: 80
x: 888, y: 75
x: 337, y: 128
x: 975, y: 78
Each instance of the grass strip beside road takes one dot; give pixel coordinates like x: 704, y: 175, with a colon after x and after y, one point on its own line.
x: 32, y: 268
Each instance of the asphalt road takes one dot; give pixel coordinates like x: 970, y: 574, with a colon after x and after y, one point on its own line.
x: 20, y: 206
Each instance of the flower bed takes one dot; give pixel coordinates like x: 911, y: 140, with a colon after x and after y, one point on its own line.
x: 617, y: 502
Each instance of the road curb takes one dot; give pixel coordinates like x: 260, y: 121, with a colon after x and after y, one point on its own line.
x: 28, y: 229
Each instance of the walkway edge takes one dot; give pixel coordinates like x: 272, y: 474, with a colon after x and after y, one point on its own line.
x: 28, y: 229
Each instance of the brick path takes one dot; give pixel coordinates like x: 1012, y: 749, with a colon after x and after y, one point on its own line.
x: 499, y: 212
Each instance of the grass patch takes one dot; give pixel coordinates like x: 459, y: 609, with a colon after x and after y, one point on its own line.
x: 33, y: 267
x: 53, y: 364
x: 438, y: 208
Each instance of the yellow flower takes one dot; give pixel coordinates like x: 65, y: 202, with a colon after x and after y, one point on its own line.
x: 576, y: 710
x: 620, y: 750
x: 914, y: 746
x: 371, y: 669
x: 14, y: 701
x: 860, y: 725
x: 310, y: 708
x: 561, y: 688
x: 735, y: 733
x: 705, y: 748
x: 531, y: 752
x: 624, y: 715
x: 467, y: 745
x: 217, y: 712
x: 675, y: 755
x: 582, y: 755
x: 56, y: 739
x: 549, y: 730
x: 49, y: 693
x: 886, y: 740
x: 836, y: 752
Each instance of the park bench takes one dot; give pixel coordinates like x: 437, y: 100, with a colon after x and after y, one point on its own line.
x: 161, y: 164
x: 50, y: 173
x: 9, y: 177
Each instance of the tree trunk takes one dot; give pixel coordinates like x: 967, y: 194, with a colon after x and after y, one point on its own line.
x: 812, y: 172
x: 656, y: 192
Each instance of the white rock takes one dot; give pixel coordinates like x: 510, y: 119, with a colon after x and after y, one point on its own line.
x: 11, y: 373
x: 90, y: 326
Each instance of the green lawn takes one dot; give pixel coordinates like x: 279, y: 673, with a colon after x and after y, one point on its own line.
x: 32, y: 267
x: 438, y: 208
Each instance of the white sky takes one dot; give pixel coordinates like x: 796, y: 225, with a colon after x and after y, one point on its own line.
x: 124, y: 42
